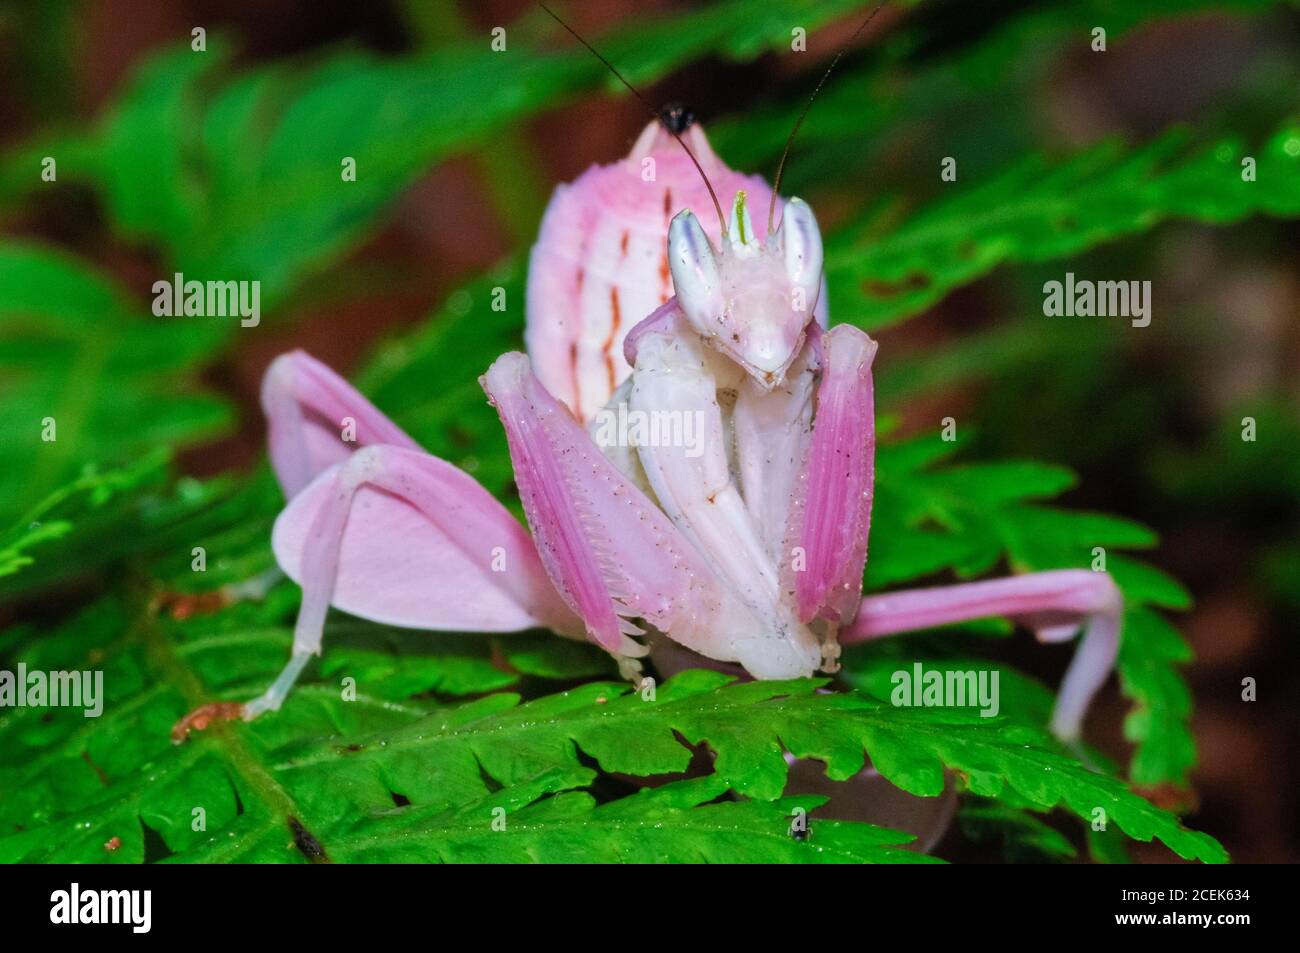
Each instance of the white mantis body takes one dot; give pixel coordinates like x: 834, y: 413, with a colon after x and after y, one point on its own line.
x: 747, y: 548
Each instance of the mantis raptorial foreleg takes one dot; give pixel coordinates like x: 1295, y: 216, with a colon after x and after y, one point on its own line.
x: 677, y: 381
x: 773, y: 429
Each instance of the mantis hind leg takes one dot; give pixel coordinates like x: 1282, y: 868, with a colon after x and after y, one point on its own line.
x: 320, y: 568
x: 314, y: 420
x: 1055, y: 604
x: 402, y: 537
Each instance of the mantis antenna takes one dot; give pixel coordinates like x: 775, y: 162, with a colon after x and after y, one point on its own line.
x: 722, y: 221
x: 780, y: 169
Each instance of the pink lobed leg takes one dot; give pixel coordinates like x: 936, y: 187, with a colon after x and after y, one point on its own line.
x: 609, y: 550
x: 830, y: 516
x: 1053, y: 603
x: 306, y: 406
x: 402, y: 537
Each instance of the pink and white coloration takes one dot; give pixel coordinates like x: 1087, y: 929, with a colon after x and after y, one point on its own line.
x: 745, y: 545
x: 600, y: 264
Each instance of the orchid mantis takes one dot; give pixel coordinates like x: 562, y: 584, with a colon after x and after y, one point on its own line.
x: 748, y: 547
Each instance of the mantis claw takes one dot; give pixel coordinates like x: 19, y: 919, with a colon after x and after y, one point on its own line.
x: 273, y: 697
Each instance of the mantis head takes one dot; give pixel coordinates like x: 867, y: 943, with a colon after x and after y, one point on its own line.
x: 750, y: 299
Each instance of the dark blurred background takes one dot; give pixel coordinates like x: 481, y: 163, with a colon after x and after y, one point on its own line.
x: 1143, y: 417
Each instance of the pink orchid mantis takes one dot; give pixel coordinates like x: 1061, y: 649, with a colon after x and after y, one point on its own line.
x: 741, y: 535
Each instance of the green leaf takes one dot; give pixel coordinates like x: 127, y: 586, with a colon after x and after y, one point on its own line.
x: 281, y: 207
x: 71, y: 508
x: 79, y: 364
x: 871, y: 668
x: 1149, y: 654
x: 278, y: 208
x: 629, y: 735
x: 1024, y: 836
x: 545, y: 656
x: 122, y: 772
x: 861, y: 113
x: 1038, y: 210
x: 669, y: 824
x: 327, y: 767
x: 1147, y: 585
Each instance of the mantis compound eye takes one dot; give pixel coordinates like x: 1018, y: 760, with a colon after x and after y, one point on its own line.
x: 800, y: 241
x: 696, y: 275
